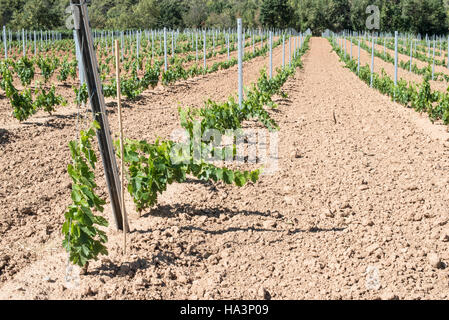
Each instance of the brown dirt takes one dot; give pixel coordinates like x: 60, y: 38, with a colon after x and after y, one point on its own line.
x: 368, y: 191
x: 33, y: 200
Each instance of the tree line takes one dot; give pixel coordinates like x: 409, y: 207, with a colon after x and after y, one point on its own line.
x: 417, y: 16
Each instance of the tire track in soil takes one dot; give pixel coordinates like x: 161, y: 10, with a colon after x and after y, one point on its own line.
x: 35, y: 187
x: 369, y: 191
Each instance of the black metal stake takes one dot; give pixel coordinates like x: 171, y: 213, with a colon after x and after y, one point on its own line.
x: 95, y: 89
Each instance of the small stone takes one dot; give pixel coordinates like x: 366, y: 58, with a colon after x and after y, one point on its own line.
x: 183, y: 279
x: 388, y: 295
x: 442, y: 221
x: 214, y: 259
x: 328, y: 213
x: 345, y: 205
x: 371, y: 248
x: 175, y: 230
x: 289, y: 200
x: 277, y: 215
x: 367, y: 222
x: 435, y: 260
x: 263, y: 293
x: 269, y: 224
x: 344, y: 214
x: 445, y: 235
x: 27, y: 210
x: 124, y: 269
x: 170, y: 275
x: 88, y: 291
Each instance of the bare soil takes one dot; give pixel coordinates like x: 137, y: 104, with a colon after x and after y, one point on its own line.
x: 366, y: 191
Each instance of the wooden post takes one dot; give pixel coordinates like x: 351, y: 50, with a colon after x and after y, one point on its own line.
x: 122, y: 166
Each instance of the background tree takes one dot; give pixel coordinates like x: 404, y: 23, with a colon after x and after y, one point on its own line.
x: 338, y: 15
x: 38, y: 14
x: 276, y: 13
x: 171, y: 13
x: 312, y: 14
x: 417, y: 16
x: 197, y: 14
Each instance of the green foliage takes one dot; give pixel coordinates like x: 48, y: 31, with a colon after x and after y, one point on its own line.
x: 151, y: 76
x: 421, y: 98
x: 275, y: 13
x: 22, y: 102
x: 82, y: 238
x: 36, y: 14
x: 417, y: 16
x: 48, y: 100
x: 130, y: 87
x: 174, y: 73
x: 151, y: 170
x: 67, y: 69
x: 47, y: 65
x: 422, y: 101
x: 81, y: 94
x: 152, y: 167
x: 24, y: 68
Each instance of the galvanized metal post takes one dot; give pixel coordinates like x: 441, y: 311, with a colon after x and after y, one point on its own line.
x: 204, y: 50
x: 283, y: 51
x: 229, y: 55
x: 372, y: 61
x: 271, y: 55
x: 165, y: 50
x: 433, y: 61
x: 350, y: 54
x: 358, y: 59
x: 23, y: 42
x: 395, y: 58
x: 196, y: 45
x: 172, y: 44
x: 5, y: 42
x: 290, y: 51
x: 240, y: 61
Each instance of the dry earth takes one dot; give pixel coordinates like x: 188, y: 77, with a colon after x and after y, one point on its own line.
x: 367, y: 192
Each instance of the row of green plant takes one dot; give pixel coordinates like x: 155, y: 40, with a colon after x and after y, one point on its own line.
x: 415, y: 54
x: 131, y: 87
x: 146, y: 179
x: 419, y: 97
x: 22, y: 101
x: 151, y: 167
x: 176, y: 71
x: 385, y: 56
